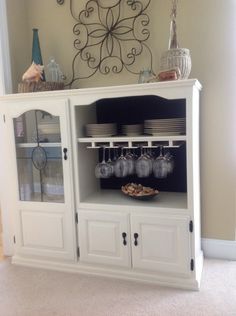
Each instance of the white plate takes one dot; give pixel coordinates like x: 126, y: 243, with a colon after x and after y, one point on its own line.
x: 101, y: 125
x: 103, y: 135
x: 133, y: 134
x: 164, y: 133
x: 180, y: 119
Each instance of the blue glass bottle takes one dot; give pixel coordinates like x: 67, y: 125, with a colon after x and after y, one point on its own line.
x: 36, y: 51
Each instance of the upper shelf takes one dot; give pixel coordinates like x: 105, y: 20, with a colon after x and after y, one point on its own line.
x: 31, y: 145
x: 169, y: 89
x: 149, y: 141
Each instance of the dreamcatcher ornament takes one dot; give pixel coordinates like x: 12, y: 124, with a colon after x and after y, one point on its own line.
x: 175, y: 58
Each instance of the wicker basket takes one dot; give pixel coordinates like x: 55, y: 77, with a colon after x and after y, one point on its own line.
x: 39, y: 86
x: 178, y: 57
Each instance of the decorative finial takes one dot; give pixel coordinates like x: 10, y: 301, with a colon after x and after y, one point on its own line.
x: 173, y: 42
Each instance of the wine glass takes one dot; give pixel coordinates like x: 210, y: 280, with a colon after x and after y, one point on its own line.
x: 143, y: 167
x: 103, y: 170
x: 148, y: 155
x: 160, y: 165
x: 115, y: 155
x: 110, y: 162
x: 170, y: 162
x: 131, y: 161
x: 121, y: 168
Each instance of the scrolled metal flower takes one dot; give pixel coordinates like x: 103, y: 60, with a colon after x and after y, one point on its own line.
x: 60, y: 2
x: 109, y: 41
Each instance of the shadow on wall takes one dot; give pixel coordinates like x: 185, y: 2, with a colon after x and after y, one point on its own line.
x: 1, y: 247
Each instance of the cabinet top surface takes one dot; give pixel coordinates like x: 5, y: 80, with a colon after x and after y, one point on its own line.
x: 148, y: 87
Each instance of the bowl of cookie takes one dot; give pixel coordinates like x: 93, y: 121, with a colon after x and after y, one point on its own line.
x: 139, y: 192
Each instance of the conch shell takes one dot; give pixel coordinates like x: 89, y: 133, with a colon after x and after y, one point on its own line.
x: 34, y: 73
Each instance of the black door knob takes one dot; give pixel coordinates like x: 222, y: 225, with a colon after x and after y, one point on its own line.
x: 65, y: 153
x: 136, y: 239
x: 124, y: 239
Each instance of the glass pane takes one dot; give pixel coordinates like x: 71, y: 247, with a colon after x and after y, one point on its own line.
x: 48, y: 127
x: 37, y: 126
x: 28, y: 176
x: 52, y: 177
x: 40, y: 168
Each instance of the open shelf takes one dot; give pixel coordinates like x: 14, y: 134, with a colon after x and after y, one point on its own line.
x: 112, y: 199
x: 105, y: 193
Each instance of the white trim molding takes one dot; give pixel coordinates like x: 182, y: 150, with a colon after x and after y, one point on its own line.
x: 5, y: 88
x: 219, y: 249
x: 5, y: 64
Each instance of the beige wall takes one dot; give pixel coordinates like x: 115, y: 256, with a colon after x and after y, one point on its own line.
x: 208, y: 29
x: 18, y: 38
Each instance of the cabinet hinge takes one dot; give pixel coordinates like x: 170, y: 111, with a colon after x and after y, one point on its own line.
x: 191, y: 226
x: 192, y: 265
x: 76, y: 218
x: 78, y: 252
x: 4, y: 118
x: 14, y: 239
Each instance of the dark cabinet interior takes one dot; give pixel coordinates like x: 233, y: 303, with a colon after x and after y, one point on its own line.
x: 134, y: 110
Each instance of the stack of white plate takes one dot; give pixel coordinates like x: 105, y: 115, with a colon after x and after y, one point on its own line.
x: 101, y: 130
x: 49, y: 132
x: 49, y: 128
x: 132, y: 130
x: 159, y: 127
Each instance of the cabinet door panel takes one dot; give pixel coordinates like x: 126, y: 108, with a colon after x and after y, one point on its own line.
x: 163, y: 243
x: 42, y: 230
x: 100, y: 238
x: 43, y: 233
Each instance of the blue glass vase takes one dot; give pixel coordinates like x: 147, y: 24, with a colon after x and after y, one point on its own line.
x: 36, y: 51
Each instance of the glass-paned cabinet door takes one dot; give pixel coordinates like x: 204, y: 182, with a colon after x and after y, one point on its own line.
x: 39, y: 157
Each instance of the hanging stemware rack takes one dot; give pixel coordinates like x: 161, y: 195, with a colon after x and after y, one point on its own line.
x: 133, y: 142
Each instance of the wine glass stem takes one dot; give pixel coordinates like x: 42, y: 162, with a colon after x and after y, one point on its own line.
x: 161, y: 149
x: 141, y: 151
x: 109, y: 154
x: 103, y: 155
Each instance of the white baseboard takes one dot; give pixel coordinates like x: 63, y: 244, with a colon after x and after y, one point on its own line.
x: 190, y: 281
x: 219, y: 249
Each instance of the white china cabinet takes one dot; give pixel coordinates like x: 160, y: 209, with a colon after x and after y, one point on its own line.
x: 65, y: 218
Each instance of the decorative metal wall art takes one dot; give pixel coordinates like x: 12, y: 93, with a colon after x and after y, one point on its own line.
x: 110, y: 37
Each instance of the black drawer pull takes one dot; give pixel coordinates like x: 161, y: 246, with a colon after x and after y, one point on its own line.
x: 124, y: 240
x: 65, y: 153
x: 136, y: 239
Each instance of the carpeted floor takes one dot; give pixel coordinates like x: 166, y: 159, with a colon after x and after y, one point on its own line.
x: 36, y: 292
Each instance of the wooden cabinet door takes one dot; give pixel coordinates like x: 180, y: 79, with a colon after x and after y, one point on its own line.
x: 161, y: 243
x: 104, y: 238
x: 41, y: 195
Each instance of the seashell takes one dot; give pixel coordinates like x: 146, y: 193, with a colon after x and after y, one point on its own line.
x: 34, y: 73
